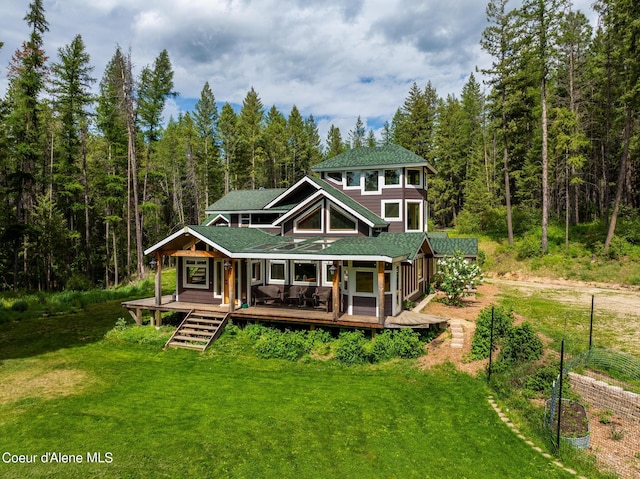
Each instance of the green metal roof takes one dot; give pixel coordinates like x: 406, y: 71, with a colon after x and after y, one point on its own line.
x: 351, y: 203
x: 365, y: 157
x: 448, y: 246
x: 245, y: 200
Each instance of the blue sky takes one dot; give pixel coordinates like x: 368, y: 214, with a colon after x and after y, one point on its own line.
x: 335, y: 59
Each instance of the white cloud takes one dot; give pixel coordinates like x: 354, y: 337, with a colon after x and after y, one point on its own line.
x: 331, y: 58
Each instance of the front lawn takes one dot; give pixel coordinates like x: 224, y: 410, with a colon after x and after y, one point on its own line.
x: 228, y: 414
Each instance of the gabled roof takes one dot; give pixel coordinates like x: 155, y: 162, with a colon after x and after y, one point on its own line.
x: 334, y: 194
x: 379, y: 156
x: 256, y: 243
x: 245, y: 200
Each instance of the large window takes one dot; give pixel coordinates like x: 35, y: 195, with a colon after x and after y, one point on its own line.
x: 196, y: 273
x: 353, y: 179
x: 414, y: 216
x: 311, y: 222
x: 371, y: 181
x: 392, y: 177
x: 339, y: 221
x: 305, y: 272
x: 277, y: 272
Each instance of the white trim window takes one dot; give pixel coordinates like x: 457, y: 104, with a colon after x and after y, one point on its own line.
x: 305, y: 272
x: 353, y: 180
x: 311, y: 221
x: 414, y: 177
x: 391, y: 210
x: 340, y: 221
x: 414, y: 216
x: 327, y: 277
x: 245, y: 220
x: 372, y: 182
x: 256, y: 272
x: 393, y: 178
x: 277, y: 271
x: 195, y: 273
x: 334, y: 177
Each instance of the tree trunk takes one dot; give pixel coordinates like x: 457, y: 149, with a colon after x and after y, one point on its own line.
x: 621, y: 180
x: 545, y: 167
x: 505, y: 159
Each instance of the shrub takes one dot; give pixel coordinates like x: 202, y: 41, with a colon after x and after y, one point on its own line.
x: 503, y: 321
x: 542, y: 379
x: 78, y: 282
x: 351, y: 348
x: 455, y: 275
x: 289, y: 345
x: 521, y: 344
x: 255, y: 331
x: 20, y: 306
x: 529, y: 247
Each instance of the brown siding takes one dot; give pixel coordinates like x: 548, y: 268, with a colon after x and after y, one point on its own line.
x: 364, y: 306
x: 388, y: 304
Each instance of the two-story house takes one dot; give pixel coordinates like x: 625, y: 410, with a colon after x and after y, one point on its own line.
x: 348, y: 247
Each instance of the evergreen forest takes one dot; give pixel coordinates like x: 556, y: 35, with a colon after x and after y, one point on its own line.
x: 91, y: 172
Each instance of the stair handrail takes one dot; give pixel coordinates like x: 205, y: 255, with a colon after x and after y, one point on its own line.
x: 218, y: 331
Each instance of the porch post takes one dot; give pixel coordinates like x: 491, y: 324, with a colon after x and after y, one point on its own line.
x: 381, y: 292
x: 158, y: 285
x: 232, y: 286
x: 336, y: 291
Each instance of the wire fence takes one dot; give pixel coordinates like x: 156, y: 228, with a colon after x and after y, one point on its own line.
x: 595, y: 404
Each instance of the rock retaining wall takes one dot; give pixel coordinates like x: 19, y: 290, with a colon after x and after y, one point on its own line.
x: 603, y: 396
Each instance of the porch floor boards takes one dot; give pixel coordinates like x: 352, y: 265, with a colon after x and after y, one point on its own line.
x: 278, y: 313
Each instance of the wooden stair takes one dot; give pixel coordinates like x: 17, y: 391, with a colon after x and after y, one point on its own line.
x: 198, y: 330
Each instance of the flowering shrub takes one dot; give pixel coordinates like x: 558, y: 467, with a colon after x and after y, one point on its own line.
x: 456, y: 276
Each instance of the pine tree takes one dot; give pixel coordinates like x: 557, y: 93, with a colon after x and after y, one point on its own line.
x: 71, y: 87
x: 357, y: 135
x: 229, y: 138
x: 275, y: 136
x: 335, y: 145
x: 250, y: 131
x: 26, y: 76
x: 209, y: 168
x: 297, y: 142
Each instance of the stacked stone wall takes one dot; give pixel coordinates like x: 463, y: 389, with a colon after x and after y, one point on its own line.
x: 601, y: 395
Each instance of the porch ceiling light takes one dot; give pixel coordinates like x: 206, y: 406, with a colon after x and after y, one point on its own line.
x: 227, y: 265
x: 153, y: 263
x: 332, y: 268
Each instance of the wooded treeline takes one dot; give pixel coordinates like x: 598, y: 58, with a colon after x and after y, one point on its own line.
x: 88, y: 180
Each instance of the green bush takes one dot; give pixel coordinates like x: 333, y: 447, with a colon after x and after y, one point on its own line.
x: 351, y: 348
x: 255, y: 331
x: 542, y: 379
x: 78, y: 282
x: 289, y: 345
x: 529, y: 247
x: 503, y: 321
x: 521, y: 344
x: 20, y: 306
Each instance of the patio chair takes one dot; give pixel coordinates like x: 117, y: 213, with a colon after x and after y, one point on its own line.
x: 294, y: 294
x: 323, y: 298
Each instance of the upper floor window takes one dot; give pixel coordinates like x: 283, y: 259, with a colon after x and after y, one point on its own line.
x: 245, y: 219
x: 339, y: 221
x: 311, y: 222
x: 353, y: 179
x: 391, y: 210
x: 371, y: 181
x: 336, y: 176
x: 392, y: 177
x: 414, y: 177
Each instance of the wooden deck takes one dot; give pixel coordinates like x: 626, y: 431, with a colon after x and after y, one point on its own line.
x: 280, y: 313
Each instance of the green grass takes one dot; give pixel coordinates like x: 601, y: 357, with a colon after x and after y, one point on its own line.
x: 182, y: 414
